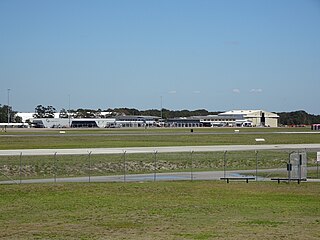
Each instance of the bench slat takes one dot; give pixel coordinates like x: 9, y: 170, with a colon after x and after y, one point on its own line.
x: 287, y: 179
x: 237, y: 178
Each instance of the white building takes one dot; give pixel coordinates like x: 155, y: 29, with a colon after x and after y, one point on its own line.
x: 233, y: 118
x: 258, y: 118
x: 121, y: 121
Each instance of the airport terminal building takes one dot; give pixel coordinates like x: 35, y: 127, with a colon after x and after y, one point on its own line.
x: 116, y: 122
x: 233, y: 118
x: 258, y: 118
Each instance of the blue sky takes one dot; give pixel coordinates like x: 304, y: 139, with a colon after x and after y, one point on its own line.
x: 212, y: 54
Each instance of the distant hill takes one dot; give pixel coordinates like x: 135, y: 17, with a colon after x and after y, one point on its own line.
x: 297, y: 118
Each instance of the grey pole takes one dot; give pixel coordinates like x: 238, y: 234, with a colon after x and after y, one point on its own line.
x: 161, y: 107
x: 289, y: 166
x: 191, y: 155
x: 256, y: 152
x: 318, y: 169
x: 20, y: 167
x: 224, y: 163
x: 155, y: 166
x: 69, y: 112
x: 8, y: 106
x: 55, y: 167
x: 299, y: 165
x: 124, y: 166
x: 89, y: 157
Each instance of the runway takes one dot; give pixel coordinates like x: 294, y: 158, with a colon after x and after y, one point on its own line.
x: 221, y: 148
x: 148, y: 133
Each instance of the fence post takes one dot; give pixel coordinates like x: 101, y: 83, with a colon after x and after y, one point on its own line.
x: 89, y: 158
x: 289, y: 166
x: 155, y: 166
x: 317, y: 169
x: 20, y: 169
x: 224, y: 163
x: 124, y: 166
x: 256, y: 152
x: 55, y: 167
x: 191, y: 156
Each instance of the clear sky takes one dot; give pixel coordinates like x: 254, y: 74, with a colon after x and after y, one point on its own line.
x: 212, y: 54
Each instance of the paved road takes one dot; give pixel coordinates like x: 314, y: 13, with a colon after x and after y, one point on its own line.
x: 208, y: 175
x: 81, y: 151
x: 175, y: 176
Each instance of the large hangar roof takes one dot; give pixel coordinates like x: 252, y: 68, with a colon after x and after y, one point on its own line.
x: 250, y: 113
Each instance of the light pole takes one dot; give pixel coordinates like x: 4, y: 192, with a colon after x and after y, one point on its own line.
x: 69, y: 111
x: 9, y: 105
x: 161, y: 107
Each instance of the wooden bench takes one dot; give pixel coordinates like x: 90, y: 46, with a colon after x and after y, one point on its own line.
x: 237, y: 178
x: 287, y: 179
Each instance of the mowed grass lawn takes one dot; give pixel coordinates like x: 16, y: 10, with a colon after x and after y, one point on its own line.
x: 161, y: 210
x: 145, y: 140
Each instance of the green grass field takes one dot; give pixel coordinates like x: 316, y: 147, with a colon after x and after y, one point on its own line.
x: 153, y: 210
x: 147, y: 138
x: 46, y: 167
x: 39, y: 131
x: 167, y: 210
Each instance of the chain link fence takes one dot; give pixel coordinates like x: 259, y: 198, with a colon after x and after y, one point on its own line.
x: 152, y: 166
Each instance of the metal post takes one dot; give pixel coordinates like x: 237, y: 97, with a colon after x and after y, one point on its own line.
x: 161, y: 107
x: 224, y: 163
x: 256, y: 152
x: 20, y: 169
x: 55, y: 167
x: 89, y: 166
x: 299, y: 166
x: 69, y: 116
x: 155, y: 166
x: 318, y: 169
x: 124, y: 166
x: 289, y: 167
x: 191, y: 155
x: 8, y: 106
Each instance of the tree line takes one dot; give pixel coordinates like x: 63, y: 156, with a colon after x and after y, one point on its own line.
x: 49, y: 111
x: 285, y: 118
x: 298, y: 118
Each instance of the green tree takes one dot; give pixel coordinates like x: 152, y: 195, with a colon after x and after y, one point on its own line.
x: 44, y: 112
x: 298, y: 118
x: 85, y: 113
x: 63, y: 113
x: 4, y: 115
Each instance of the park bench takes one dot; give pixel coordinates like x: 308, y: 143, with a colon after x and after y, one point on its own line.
x: 237, y: 178
x: 287, y: 179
